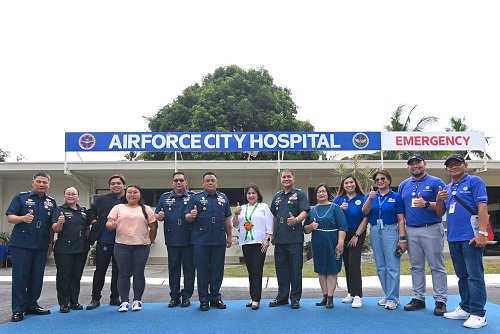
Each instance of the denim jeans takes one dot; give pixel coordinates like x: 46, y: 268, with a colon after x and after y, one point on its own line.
x: 384, y: 243
x: 468, y: 263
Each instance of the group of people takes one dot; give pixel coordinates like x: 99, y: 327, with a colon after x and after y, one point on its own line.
x: 198, y: 230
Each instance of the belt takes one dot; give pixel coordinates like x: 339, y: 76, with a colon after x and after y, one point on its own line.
x: 318, y: 229
x: 425, y: 225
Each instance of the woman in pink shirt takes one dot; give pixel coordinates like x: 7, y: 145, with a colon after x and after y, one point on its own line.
x: 136, y: 227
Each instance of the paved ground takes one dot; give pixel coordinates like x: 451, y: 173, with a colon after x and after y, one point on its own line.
x: 233, y: 288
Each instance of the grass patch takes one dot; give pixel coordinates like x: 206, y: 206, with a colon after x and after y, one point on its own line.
x: 367, y: 269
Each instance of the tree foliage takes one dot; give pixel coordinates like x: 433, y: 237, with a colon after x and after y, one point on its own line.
x: 457, y: 125
x: 231, y: 99
x: 3, y: 155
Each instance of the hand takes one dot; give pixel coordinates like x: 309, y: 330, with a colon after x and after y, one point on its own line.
x: 265, y: 246
x: 238, y: 208
x: 291, y: 220
x: 340, y: 248
x: 442, y: 194
x: 51, y: 248
x: 194, y: 212
x: 160, y: 215
x: 419, y: 202
x: 314, y: 224
x: 28, y: 218
x: 229, y: 241
x: 373, y: 193
x: 344, y: 205
x: 480, y: 240
x: 353, y: 242
x: 403, y: 245
x: 61, y: 218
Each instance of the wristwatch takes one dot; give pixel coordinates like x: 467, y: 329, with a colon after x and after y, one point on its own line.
x: 402, y: 238
x: 483, y: 233
x: 356, y: 235
x: 427, y: 204
x: 268, y: 239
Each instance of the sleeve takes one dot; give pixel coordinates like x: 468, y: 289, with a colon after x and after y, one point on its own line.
x: 400, y: 208
x: 269, y: 220
x: 340, y: 217
x: 114, y: 212
x: 55, y: 215
x: 190, y: 205
x: 227, y: 212
x: 303, y: 202
x: 15, y: 206
x: 151, y: 214
x: 159, y: 206
x: 272, y: 207
x: 308, y: 219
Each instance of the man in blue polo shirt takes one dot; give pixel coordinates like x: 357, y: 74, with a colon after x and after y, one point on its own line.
x: 467, y: 237
x: 425, y: 234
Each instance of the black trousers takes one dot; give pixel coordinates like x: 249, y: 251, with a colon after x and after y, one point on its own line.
x: 288, y: 260
x: 352, y: 263
x: 254, y: 260
x: 104, y: 254
x: 69, y: 273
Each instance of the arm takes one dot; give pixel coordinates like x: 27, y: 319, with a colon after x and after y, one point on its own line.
x: 229, y: 231
x: 402, y: 231
x: 111, y: 224
x: 480, y: 239
x: 153, y: 231
x: 439, y: 206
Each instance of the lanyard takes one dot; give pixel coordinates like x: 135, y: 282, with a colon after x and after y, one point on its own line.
x: 380, y: 205
x: 249, y: 219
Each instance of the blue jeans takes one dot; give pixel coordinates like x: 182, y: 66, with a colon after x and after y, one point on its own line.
x: 468, y: 263
x: 384, y: 243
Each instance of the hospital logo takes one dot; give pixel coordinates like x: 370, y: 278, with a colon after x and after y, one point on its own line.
x: 86, y: 141
x: 360, y: 140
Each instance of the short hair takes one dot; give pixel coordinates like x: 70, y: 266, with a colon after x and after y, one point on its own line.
x: 253, y: 186
x: 178, y: 173
x: 289, y: 170
x: 383, y: 172
x: 328, y: 191
x: 117, y: 176
x: 208, y: 173
x: 42, y: 174
x: 77, y: 191
x: 358, y: 189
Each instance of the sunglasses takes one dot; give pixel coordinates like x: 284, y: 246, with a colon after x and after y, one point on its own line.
x: 178, y: 180
x: 382, y: 179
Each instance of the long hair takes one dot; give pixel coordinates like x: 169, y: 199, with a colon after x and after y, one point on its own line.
x: 253, y: 186
x: 358, y: 189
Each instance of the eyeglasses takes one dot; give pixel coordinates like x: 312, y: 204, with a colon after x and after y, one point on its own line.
x: 454, y: 164
x: 382, y: 179
x: 178, y: 180
x: 321, y: 192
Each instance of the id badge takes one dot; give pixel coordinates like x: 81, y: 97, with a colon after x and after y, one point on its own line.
x: 380, y: 224
x: 452, y: 208
x: 413, y: 202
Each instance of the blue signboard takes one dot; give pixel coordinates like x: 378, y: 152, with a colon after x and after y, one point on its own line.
x: 221, y: 141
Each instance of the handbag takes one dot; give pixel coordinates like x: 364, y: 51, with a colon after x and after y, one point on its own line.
x: 489, y: 229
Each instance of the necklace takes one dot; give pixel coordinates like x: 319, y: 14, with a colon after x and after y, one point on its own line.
x: 325, y: 212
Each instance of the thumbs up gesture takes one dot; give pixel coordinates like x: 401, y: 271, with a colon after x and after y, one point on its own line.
x: 160, y: 215
x: 61, y: 218
x: 238, y: 208
x: 344, y: 205
x: 373, y: 193
x: 194, y: 212
x: 28, y: 218
x: 442, y: 194
x: 292, y: 220
x: 314, y: 224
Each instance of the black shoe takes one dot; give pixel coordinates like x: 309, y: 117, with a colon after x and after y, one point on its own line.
x: 218, y: 304
x: 295, y: 304
x: 38, y: 311
x: 93, y: 304
x: 185, y: 302
x: 76, y: 306
x: 276, y: 302
x: 329, y: 302
x: 249, y: 304
x: 322, y: 302
x: 17, y: 316
x: 440, y: 308
x: 174, y: 302
x: 115, y: 302
x: 414, y: 304
x: 204, y: 306
x: 64, y: 309
x: 255, y: 306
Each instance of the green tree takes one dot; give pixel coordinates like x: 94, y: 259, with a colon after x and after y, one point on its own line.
x: 457, y: 125
x: 231, y: 99
x: 398, y: 123
x: 3, y: 155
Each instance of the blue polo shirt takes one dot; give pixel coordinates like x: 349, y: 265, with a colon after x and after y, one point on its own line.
x: 392, y: 205
x: 428, y: 188
x: 353, y: 214
x: 471, y: 190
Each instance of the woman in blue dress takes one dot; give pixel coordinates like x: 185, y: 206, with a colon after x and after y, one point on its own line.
x: 328, y: 225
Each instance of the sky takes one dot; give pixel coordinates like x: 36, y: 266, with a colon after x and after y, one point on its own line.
x: 103, y: 66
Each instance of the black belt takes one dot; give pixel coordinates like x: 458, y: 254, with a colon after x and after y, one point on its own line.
x: 425, y: 225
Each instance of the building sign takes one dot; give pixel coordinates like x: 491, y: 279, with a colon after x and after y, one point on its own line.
x: 433, y: 141
x: 272, y: 141
x: 221, y: 141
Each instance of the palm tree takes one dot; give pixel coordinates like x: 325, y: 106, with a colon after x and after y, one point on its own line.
x: 397, y: 124
x: 458, y: 125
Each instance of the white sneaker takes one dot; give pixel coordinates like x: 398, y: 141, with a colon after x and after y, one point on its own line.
x: 382, y: 302
x: 457, y: 314
x: 391, y: 305
x: 136, y: 305
x: 475, y: 321
x: 124, y: 307
x: 347, y: 299
x: 357, y: 303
